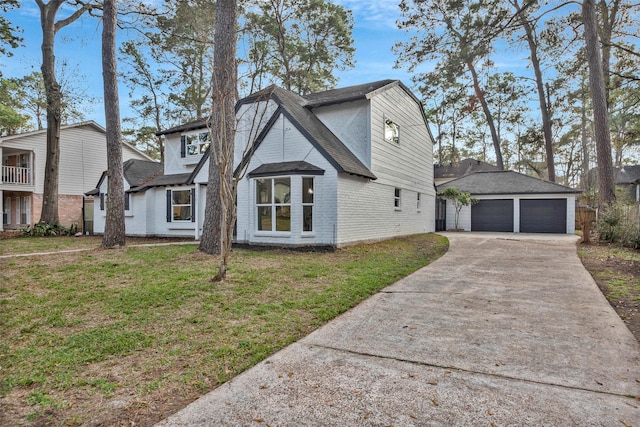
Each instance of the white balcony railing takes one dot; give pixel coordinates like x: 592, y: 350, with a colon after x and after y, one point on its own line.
x: 16, y: 175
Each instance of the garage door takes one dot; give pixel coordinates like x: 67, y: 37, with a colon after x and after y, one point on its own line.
x: 543, y: 216
x: 492, y: 215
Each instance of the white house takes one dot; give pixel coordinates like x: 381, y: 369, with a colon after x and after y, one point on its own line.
x: 329, y: 168
x: 513, y: 202
x: 83, y: 157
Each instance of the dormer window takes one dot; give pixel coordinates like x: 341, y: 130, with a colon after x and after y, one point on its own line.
x: 391, y: 131
x: 195, y: 144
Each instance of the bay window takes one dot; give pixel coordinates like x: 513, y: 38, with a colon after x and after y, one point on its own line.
x: 273, y: 203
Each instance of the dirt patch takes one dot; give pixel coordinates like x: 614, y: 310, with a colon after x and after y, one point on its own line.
x: 617, y: 272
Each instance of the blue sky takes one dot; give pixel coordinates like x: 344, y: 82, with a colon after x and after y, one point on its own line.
x: 78, y: 46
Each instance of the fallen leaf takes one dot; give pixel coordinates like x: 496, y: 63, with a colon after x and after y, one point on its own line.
x: 227, y: 403
x: 433, y: 382
x: 262, y: 387
x: 413, y: 416
x: 489, y: 411
x: 366, y: 416
x: 625, y: 424
x: 598, y: 382
x: 258, y: 420
x: 290, y: 374
x: 447, y: 372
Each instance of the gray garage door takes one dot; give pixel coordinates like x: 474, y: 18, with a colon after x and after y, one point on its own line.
x: 543, y: 216
x: 492, y: 215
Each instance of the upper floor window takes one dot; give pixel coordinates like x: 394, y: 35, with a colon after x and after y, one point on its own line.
x: 391, y: 131
x: 273, y: 203
x: 195, y: 144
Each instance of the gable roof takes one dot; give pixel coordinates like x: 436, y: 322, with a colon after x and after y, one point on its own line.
x: 289, y: 168
x: 137, y: 171
x: 462, y: 168
x: 163, y: 181
x: 627, y: 174
x: 88, y: 123
x: 504, y: 182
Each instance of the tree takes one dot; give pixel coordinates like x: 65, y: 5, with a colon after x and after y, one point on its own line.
x: 298, y: 44
x: 50, y: 27
x: 114, y: 229
x: 459, y: 34
x: 459, y: 199
x: 528, y: 25
x: 606, y: 184
x: 8, y: 33
x: 217, y: 230
x: 11, y: 119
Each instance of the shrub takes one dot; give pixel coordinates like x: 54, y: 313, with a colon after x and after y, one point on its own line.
x: 610, y: 224
x: 42, y: 229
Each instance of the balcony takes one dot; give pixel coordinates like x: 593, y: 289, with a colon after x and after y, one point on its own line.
x: 16, y: 175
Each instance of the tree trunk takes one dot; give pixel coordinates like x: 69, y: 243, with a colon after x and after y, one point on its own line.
x: 485, y: 108
x: 217, y: 232
x: 50, y: 27
x: 606, y: 185
x: 586, y: 178
x: 608, y: 16
x: 544, y: 107
x: 49, y: 213
x: 114, y: 229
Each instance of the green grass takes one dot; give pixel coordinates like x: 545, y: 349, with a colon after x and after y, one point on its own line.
x: 147, y: 321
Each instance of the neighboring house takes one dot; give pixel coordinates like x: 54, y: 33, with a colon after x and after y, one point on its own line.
x: 627, y: 178
x: 450, y: 171
x: 513, y: 202
x: 83, y: 157
x: 329, y: 168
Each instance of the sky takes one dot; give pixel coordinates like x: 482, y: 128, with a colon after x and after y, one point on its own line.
x: 79, y: 47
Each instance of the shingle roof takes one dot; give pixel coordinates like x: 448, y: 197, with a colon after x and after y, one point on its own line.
x: 345, y: 94
x: 504, y: 182
x: 137, y: 171
x: 462, y: 168
x: 290, y: 168
x: 627, y: 174
x: 163, y: 180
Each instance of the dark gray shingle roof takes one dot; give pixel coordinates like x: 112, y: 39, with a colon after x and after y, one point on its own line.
x: 462, y: 168
x: 163, y: 181
x: 504, y: 182
x: 290, y: 168
x: 137, y: 171
x: 627, y: 174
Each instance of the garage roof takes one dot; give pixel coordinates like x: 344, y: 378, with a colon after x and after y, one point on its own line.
x: 505, y: 182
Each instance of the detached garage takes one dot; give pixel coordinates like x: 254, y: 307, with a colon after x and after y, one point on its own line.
x: 513, y: 202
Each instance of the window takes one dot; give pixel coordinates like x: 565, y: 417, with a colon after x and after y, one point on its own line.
x: 396, y: 199
x: 391, y: 131
x: 273, y: 202
x: 307, y: 204
x: 418, y: 203
x: 24, y: 210
x: 181, y: 205
x: 196, y: 144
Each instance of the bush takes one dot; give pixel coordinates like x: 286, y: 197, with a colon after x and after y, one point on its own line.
x: 42, y: 229
x: 610, y: 224
x: 620, y: 224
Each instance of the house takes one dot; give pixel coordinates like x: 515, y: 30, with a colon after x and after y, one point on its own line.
x: 450, y: 171
x: 627, y: 179
x: 83, y: 157
x: 325, y: 169
x: 513, y: 202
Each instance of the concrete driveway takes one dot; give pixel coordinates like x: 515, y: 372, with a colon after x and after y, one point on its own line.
x: 505, y: 329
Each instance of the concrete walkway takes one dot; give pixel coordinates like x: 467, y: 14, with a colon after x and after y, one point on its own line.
x: 505, y: 329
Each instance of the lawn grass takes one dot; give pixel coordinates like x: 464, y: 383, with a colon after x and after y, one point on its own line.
x: 100, y: 334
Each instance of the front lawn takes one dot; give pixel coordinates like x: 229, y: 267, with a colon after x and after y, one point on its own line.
x: 129, y: 336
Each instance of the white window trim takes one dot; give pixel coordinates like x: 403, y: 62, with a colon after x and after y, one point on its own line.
x: 397, y: 200
x: 199, y: 151
x: 419, y: 202
x: 181, y: 204
x: 273, y: 232
x: 312, y: 204
x: 385, y: 122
